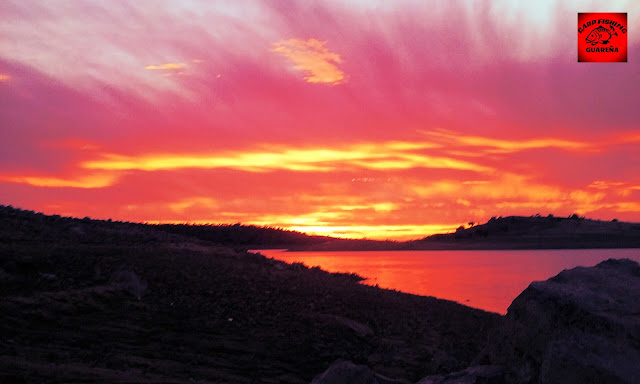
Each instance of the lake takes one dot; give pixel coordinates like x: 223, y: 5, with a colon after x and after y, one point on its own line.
x: 488, y: 280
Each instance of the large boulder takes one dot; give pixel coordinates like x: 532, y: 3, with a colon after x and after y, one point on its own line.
x: 581, y: 326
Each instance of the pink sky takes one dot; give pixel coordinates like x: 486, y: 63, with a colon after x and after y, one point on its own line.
x: 360, y: 118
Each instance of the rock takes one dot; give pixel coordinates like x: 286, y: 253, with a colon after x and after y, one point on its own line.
x: 481, y: 374
x: 346, y: 372
x: 581, y: 326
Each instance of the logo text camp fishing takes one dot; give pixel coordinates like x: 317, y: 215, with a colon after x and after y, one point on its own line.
x: 602, y: 37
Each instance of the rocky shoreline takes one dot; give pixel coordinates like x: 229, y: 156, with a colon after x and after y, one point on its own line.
x: 102, y: 302
x: 580, y: 326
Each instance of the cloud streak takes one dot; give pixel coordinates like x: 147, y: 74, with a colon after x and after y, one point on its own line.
x: 377, y: 156
x: 166, y: 66
x: 82, y: 182
x: 493, y: 145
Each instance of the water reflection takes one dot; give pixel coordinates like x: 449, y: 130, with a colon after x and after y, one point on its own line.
x: 489, y: 280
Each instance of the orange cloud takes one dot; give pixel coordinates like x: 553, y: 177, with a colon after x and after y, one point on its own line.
x: 312, y: 57
x: 628, y: 206
x: 85, y: 182
x: 5, y: 77
x: 375, y: 156
x: 623, y: 189
x: 601, y: 184
x: 378, y: 207
x: 512, y: 191
x: 508, y: 146
x: 387, y: 190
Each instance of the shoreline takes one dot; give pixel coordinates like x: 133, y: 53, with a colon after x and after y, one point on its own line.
x: 94, y: 301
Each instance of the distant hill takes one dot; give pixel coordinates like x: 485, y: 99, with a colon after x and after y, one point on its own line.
x: 544, y: 232
x: 512, y: 232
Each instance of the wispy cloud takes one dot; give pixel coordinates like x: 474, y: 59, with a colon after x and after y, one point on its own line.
x: 495, y: 145
x: 84, y: 182
x: 166, y: 67
x: 603, y: 184
x: 376, y: 156
x: 4, y: 77
x: 312, y: 57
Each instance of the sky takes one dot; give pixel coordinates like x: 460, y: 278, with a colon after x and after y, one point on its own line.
x: 376, y: 119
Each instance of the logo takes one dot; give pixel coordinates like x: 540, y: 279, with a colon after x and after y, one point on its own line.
x: 602, y: 37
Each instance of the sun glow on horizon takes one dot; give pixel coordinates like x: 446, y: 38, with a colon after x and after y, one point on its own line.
x: 378, y: 232
x: 370, y: 232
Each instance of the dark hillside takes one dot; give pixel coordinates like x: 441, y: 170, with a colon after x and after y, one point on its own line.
x: 513, y: 232
x: 539, y: 232
x: 94, y: 301
x: 249, y: 236
x: 32, y: 226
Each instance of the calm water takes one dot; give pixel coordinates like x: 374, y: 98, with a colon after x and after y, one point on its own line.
x: 489, y: 280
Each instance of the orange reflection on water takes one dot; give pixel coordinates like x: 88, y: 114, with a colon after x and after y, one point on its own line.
x: 488, y: 280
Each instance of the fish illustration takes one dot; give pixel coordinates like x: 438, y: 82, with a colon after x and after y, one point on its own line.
x: 601, y: 35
